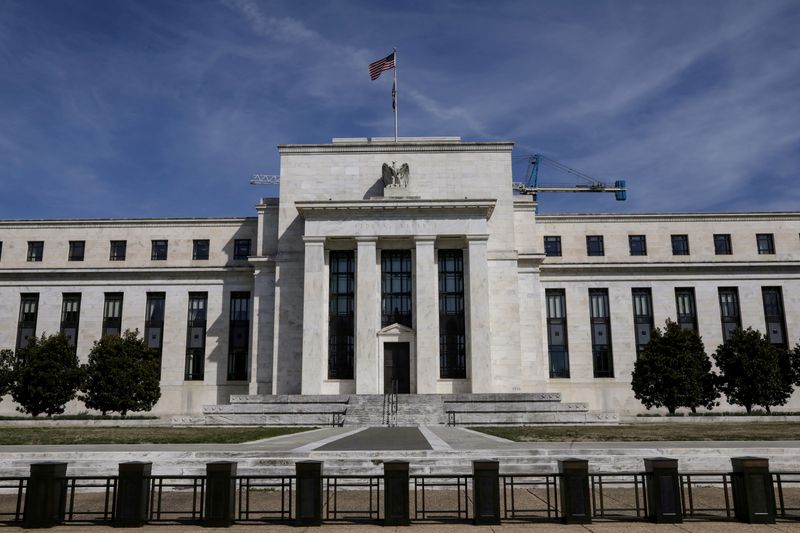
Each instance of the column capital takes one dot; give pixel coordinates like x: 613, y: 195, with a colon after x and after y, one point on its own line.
x: 476, y: 238
x: 366, y: 239
x: 424, y: 239
x: 313, y: 240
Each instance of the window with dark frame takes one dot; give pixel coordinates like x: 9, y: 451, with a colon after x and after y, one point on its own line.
x: 35, y: 251
x: 642, y: 317
x: 200, y: 248
x: 70, y: 317
x: 196, y: 336
x: 238, y: 336
x: 729, y: 311
x: 1, y: 250
x: 241, y: 249
x: 602, y: 356
x: 341, y: 314
x: 118, y: 250
x: 155, y: 309
x: 722, y: 244
x: 774, y: 316
x: 557, y: 345
x: 680, y: 244
x: 396, y: 287
x: 552, y: 245
x: 765, y: 243
x: 637, y: 244
x: 158, y: 250
x: 112, y: 314
x: 687, y: 310
x: 76, y: 250
x: 594, y: 245
x: 452, y: 329
x: 28, y: 312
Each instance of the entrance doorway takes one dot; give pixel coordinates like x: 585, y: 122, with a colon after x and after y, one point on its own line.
x: 396, y: 367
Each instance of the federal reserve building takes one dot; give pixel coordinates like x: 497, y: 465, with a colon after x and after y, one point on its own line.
x: 406, y: 267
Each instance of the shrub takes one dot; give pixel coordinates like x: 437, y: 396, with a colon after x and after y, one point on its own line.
x: 674, y: 371
x: 753, y: 371
x: 6, y: 371
x: 122, y: 375
x: 46, y: 375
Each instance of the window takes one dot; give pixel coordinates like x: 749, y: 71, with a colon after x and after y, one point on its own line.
x: 239, y: 336
x: 729, y: 311
x: 112, y: 314
x: 637, y: 244
x: 158, y: 250
x: 196, y: 336
x: 70, y: 317
x: 241, y: 248
x: 200, y: 249
x: 28, y: 311
x: 341, y: 315
x: 765, y: 243
x: 76, y: 249
x: 722, y: 244
x: 680, y: 245
x: 118, y: 249
x: 602, y: 357
x: 1, y: 249
x: 642, y: 317
x: 687, y: 310
x: 557, y: 333
x: 396, y: 287
x: 452, y: 330
x: 773, y: 313
x: 594, y: 245
x: 35, y: 250
x: 552, y: 246
x: 154, y: 321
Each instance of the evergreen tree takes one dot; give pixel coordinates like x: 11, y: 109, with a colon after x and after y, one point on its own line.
x: 6, y: 371
x: 674, y: 371
x: 46, y: 375
x: 122, y: 375
x: 753, y: 371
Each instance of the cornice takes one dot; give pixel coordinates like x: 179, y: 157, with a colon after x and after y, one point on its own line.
x: 127, y: 222
x: 393, y: 148
x: 317, y: 209
x: 669, y: 217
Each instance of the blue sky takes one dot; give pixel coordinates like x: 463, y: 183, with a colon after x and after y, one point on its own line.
x: 165, y: 108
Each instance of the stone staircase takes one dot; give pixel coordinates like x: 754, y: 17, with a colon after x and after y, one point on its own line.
x: 274, y: 410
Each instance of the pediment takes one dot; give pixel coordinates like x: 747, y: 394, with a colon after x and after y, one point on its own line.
x: 394, y: 329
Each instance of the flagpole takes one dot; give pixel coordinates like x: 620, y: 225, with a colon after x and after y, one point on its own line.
x: 395, y: 95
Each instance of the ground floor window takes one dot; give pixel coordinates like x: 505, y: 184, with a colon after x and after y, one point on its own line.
x: 196, y: 336
x: 239, y: 336
x: 642, y: 317
x: 557, y: 333
x: 341, y: 314
x: 602, y: 356
x: 452, y: 329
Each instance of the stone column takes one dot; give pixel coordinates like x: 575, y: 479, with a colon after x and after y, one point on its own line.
x: 426, y: 314
x: 368, y: 317
x: 262, y: 321
x: 314, y: 365
x: 478, y: 338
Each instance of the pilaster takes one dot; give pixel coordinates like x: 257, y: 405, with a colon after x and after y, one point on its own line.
x: 314, y: 314
x: 262, y: 334
x: 426, y: 314
x: 478, y: 335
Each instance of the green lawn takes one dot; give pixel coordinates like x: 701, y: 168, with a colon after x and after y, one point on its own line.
x: 138, y: 435
x: 649, y: 432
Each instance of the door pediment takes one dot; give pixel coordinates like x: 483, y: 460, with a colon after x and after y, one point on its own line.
x: 396, y: 329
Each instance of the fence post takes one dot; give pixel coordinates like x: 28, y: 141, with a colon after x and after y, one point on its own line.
x: 663, y: 490
x: 395, y: 493
x: 220, y: 502
x: 45, y: 495
x: 486, y: 492
x: 133, y: 494
x: 753, y: 491
x: 308, y: 497
x: 574, y: 488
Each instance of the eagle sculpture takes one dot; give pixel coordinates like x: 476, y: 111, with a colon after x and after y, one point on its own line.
x: 395, y: 177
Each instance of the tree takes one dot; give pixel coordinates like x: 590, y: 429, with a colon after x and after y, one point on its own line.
x: 674, y: 371
x: 793, y: 363
x: 6, y: 371
x: 46, y: 375
x: 753, y: 371
x: 122, y: 375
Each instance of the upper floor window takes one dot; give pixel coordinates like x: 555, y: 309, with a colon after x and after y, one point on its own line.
x: 241, y: 248
x: 637, y: 244
x: 680, y: 245
x: 76, y: 250
x: 35, y: 250
x: 766, y: 243
x: 722, y: 244
x: 158, y: 251
x: 396, y: 287
x: 1, y: 250
x: 200, y: 249
x: 594, y: 245
x: 118, y: 250
x: 552, y: 245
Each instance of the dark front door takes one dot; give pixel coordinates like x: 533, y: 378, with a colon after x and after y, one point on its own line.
x: 396, y: 367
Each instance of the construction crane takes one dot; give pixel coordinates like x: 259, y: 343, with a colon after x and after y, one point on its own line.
x: 532, y: 186
x: 265, y: 179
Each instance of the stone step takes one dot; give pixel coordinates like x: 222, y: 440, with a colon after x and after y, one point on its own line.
x: 289, y: 398
x: 513, y: 407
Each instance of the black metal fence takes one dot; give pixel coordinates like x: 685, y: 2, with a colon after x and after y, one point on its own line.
x: 748, y: 493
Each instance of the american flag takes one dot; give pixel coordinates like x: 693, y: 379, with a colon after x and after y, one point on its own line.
x: 376, y: 67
